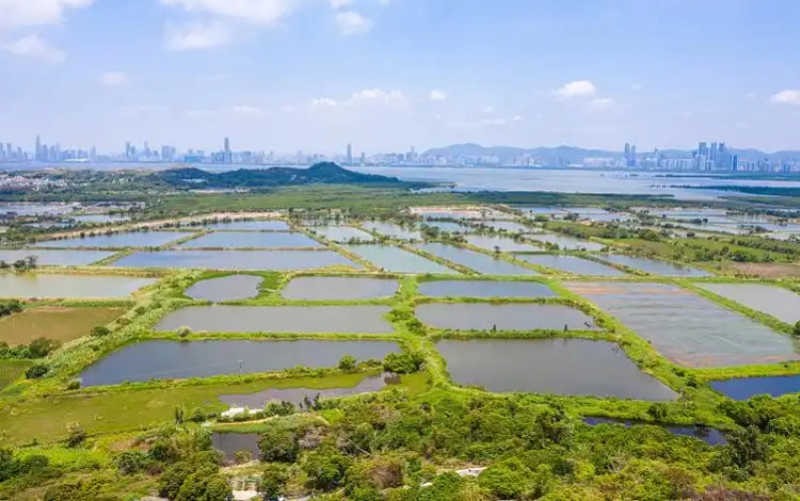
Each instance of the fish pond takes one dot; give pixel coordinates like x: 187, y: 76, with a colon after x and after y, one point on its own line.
x: 571, y: 264
x: 393, y: 230
x: 510, y: 226
x: 655, y: 266
x: 781, y: 303
x: 230, y: 444
x: 484, y: 289
x: 298, y: 396
x: 447, y: 226
x: 179, y: 360
x: 686, y: 328
x: 236, y: 260
x: 483, y: 264
x: 366, y: 319
x: 55, y: 257
x: 549, y: 366
x: 567, y: 243
x: 119, y: 240
x: 396, y: 260
x: 339, y: 288
x: 747, y: 387
x: 510, y: 317
x: 250, y: 239
x: 341, y: 233
x: 255, y: 225
x: 230, y: 288
x: 45, y: 286
x: 494, y: 243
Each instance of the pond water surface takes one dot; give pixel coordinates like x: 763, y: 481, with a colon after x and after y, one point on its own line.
x: 511, y: 226
x: 481, y: 263
x: 397, y: 260
x: 550, y: 366
x: 447, y: 226
x: 341, y: 233
x: 687, y: 328
x: 515, y: 317
x: 365, y: 319
x: 504, y: 244
x: 747, y: 387
x: 568, y: 243
x: 484, y: 289
x: 781, y: 303
x: 231, y: 443
x: 236, y: 260
x: 571, y: 264
x: 655, y: 266
x: 231, y: 288
x: 339, y: 288
x: 42, y: 286
x: 393, y: 230
x: 56, y: 257
x: 258, y: 225
x: 119, y: 240
x: 253, y: 239
x: 711, y: 436
x: 180, y: 360
x: 298, y: 396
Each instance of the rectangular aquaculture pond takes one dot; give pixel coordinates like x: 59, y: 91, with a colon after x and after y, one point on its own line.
x: 747, y: 387
x: 365, y: 319
x: 236, y: 260
x: 481, y: 263
x: 179, y: 360
x: 571, y: 264
x: 45, y: 286
x: 393, y: 230
x: 499, y: 243
x: 484, y: 289
x: 654, y: 266
x: 341, y: 234
x: 553, y: 366
x: 254, y: 225
x: 119, y: 240
x: 339, y: 288
x: 567, y: 243
x: 773, y: 300
x: 397, y: 260
x: 252, y: 239
x: 687, y: 328
x: 55, y: 257
x: 512, y: 317
x: 230, y: 288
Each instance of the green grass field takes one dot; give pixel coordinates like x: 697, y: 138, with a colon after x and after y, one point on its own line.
x: 118, y: 411
x: 11, y: 370
x: 60, y: 324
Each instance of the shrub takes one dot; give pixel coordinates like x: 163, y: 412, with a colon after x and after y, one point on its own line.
x: 123, y: 321
x: 130, y: 462
x: 796, y: 329
x: 658, y: 411
x: 41, y: 347
x: 100, y: 331
x: 403, y: 363
x: 76, y: 435
x: 347, y: 363
x: 183, y: 331
x: 36, y: 371
x: 278, y: 445
x: 75, y: 384
x: 273, y: 481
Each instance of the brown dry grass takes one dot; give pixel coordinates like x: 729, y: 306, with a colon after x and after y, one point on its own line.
x: 60, y: 324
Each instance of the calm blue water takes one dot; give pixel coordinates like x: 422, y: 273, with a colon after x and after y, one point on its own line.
x: 746, y: 387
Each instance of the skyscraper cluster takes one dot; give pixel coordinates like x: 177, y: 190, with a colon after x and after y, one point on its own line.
x: 713, y: 157
x: 630, y: 155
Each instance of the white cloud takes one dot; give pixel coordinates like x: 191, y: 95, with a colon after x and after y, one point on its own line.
x: 263, y: 12
x: 789, y: 96
x: 494, y: 121
x: 488, y: 109
x: 114, y: 79
x: 517, y: 118
x: 351, y: 22
x: 196, y: 36
x: 578, y: 88
x: 636, y: 87
x: 18, y: 13
x: 323, y: 102
x: 437, y: 95
x: 602, y: 103
x: 35, y: 47
x: 338, y: 4
x: 376, y: 95
x: 245, y: 110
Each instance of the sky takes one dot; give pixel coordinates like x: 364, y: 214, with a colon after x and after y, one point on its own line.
x: 386, y: 75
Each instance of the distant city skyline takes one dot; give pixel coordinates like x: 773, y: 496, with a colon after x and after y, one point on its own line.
x: 313, y: 75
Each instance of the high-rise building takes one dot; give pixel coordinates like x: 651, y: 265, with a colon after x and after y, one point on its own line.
x: 349, y: 153
x: 227, y: 156
x: 38, y: 152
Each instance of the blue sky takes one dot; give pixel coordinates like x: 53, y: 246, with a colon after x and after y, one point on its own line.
x: 386, y: 75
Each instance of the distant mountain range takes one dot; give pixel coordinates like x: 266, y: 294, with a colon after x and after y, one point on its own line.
x: 321, y: 173
x: 575, y: 154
